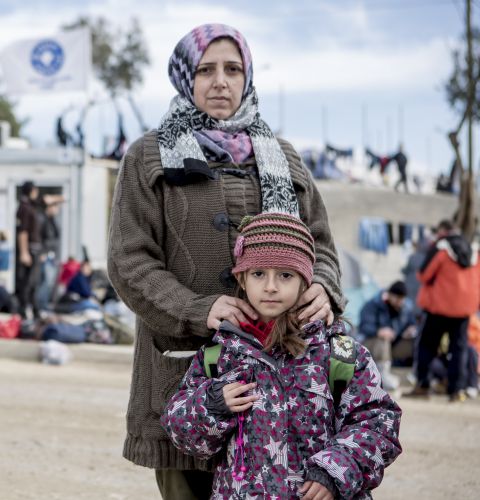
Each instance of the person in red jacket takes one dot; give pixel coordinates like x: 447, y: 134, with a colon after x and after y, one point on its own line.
x: 449, y: 293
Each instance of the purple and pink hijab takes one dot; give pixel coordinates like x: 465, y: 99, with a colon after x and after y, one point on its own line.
x: 189, y: 136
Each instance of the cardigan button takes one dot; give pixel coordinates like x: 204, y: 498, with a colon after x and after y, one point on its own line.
x: 227, y: 279
x: 221, y: 222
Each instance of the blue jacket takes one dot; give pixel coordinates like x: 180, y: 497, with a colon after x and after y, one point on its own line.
x: 375, y: 314
x: 80, y: 284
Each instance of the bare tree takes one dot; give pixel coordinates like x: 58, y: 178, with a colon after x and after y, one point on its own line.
x: 463, y: 95
x: 7, y: 113
x: 119, y: 58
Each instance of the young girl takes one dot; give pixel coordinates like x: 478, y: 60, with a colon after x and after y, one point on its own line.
x: 268, y: 414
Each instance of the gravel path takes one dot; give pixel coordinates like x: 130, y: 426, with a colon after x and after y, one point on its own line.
x: 63, y: 427
x: 61, y: 434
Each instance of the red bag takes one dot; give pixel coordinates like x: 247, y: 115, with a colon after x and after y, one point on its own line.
x: 10, y: 328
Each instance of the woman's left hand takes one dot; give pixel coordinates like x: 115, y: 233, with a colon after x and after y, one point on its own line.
x: 319, y: 306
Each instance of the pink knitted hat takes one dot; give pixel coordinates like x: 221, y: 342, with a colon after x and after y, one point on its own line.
x: 274, y: 240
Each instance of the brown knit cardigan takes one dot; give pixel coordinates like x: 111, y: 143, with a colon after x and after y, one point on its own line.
x: 170, y: 252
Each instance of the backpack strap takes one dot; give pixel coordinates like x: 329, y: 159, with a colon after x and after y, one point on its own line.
x: 210, y: 359
x: 342, y: 365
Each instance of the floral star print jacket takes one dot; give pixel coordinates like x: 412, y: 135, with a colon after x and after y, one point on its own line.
x: 293, y: 433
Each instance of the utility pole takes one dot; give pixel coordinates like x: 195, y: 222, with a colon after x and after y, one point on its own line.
x: 281, y: 110
x: 324, y: 125
x: 400, y: 124
x: 428, y: 150
x: 364, y: 126
x: 388, y: 133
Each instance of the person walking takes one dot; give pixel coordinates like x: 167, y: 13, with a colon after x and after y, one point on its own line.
x: 268, y: 414
x: 449, y: 293
x: 181, y: 192
x: 401, y: 160
x: 28, y: 250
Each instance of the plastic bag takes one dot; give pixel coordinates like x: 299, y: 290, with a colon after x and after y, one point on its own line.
x: 54, y: 353
x: 10, y: 325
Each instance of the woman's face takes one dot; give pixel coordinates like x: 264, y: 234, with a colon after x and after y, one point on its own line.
x: 219, y: 80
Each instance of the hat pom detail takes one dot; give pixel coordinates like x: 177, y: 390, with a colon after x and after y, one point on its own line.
x: 238, y: 250
x: 245, y: 221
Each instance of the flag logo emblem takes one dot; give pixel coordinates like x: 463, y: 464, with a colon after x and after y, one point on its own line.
x: 47, y: 57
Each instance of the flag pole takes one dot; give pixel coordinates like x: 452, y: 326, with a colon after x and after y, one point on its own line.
x: 83, y: 153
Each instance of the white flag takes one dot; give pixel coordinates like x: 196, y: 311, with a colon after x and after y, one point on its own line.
x: 50, y: 64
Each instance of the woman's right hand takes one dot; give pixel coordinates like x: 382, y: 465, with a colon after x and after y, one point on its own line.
x: 232, y: 395
x: 232, y: 308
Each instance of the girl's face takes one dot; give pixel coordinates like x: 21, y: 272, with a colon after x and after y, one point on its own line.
x: 271, y: 292
x: 219, y: 80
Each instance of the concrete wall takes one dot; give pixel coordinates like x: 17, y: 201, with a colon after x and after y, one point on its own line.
x: 347, y: 203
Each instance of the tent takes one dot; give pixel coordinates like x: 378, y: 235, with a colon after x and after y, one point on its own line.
x: 357, y: 284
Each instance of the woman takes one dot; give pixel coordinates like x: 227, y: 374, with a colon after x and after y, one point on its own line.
x: 181, y: 192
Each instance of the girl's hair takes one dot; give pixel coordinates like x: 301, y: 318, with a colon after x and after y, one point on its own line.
x: 287, y: 334
x: 287, y: 329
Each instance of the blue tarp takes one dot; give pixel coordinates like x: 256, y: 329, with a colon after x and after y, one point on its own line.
x: 373, y: 234
x: 321, y: 165
x: 357, y: 284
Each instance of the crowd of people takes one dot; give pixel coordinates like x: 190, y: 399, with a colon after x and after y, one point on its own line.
x: 450, y: 295
x: 425, y: 320
x: 55, y: 299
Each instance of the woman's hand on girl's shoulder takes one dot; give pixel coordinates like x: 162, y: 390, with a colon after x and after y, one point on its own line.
x: 316, y: 304
x: 233, y: 309
x: 312, y: 490
x: 232, y: 393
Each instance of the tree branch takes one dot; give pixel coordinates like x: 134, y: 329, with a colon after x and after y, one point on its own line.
x: 137, y: 113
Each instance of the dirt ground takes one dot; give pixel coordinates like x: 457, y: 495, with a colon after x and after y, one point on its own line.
x: 61, y: 433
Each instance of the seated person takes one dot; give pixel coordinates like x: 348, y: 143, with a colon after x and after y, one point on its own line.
x: 387, y: 322
x: 439, y: 371
x: 79, y: 295
x: 80, y: 282
x: 68, y: 270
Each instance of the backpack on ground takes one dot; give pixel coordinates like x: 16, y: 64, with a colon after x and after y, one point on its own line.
x: 342, y: 363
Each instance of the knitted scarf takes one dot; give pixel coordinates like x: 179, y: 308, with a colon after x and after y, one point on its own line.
x: 182, y: 156
x: 258, y: 329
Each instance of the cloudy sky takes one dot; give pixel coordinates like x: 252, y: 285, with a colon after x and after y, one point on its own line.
x: 350, y: 72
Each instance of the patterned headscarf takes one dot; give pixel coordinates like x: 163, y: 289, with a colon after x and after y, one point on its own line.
x: 189, y: 50
x: 185, y: 129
